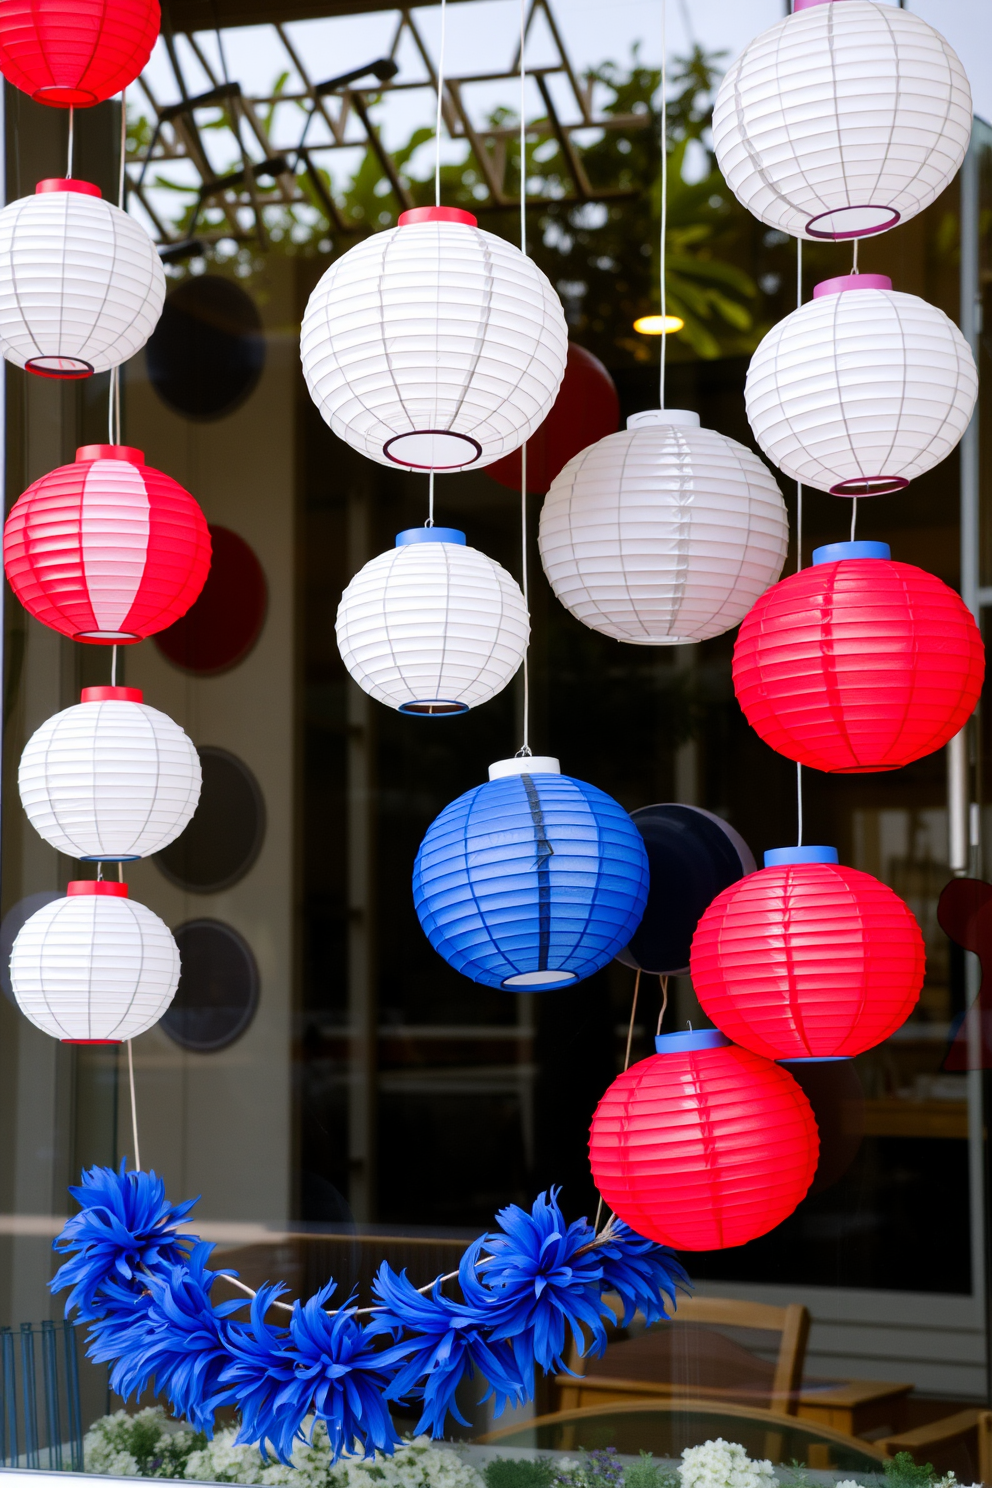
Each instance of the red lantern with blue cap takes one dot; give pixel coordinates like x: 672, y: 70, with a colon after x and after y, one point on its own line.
x: 703, y: 1145
x: 808, y: 959
x: 858, y: 664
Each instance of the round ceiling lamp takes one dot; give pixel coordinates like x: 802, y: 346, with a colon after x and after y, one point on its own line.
x: 74, y: 53
x: 433, y: 627
x: 658, y: 325
x: 808, y: 959
x: 587, y: 408
x: 703, y: 1145
x: 434, y: 346
x: 107, y: 550
x: 861, y: 389
x: 858, y: 663
x: 110, y: 779
x: 532, y: 881
x: 81, y: 285
x: 94, y: 967
x: 663, y: 533
x: 842, y: 120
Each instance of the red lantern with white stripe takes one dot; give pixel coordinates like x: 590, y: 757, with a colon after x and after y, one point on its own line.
x: 108, y: 550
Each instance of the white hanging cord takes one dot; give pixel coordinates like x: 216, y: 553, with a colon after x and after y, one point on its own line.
x: 524, y: 750
x: 854, y: 265
x: 664, y: 195
x: 72, y: 134
x: 134, y: 1107
x: 440, y: 95
x: 664, y: 1005
x: 113, y: 666
x: 111, y: 400
x: 122, y: 178
x: 799, y: 546
x: 430, y: 500
x: 854, y: 516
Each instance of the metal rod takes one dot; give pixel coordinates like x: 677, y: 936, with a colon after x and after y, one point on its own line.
x: 30, y: 1397
x: 50, y: 1377
x: 72, y: 1395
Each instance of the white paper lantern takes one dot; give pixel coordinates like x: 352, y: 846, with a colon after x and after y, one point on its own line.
x: 433, y: 626
x: 861, y: 389
x: 81, y: 285
x: 94, y: 967
x: 842, y: 120
x: 434, y: 345
x: 663, y: 533
x: 110, y: 779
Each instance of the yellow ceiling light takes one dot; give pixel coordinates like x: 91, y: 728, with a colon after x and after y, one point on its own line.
x: 658, y: 325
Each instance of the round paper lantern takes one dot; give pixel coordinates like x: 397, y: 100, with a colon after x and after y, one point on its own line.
x: 434, y: 346
x: 703, y: 1145
x: 81, y: 285
x: 109, y: 779
x: 531, y: 881
x: 842, y: 120
x: 808, y: 959
x: 663, y: 533
x: 75, y: 52
x: 107, y: 550
x: 587, y: 408
x: 94, y: 968
x: 858, y: 663
x: 862, y: 389
x: 692, y: 856
x: 433, y: 626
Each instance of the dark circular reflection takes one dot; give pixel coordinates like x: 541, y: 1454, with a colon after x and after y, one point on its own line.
x: 226, y: 833
x: 218, y: 987
x: 221, y: 628
x: 207, y: 352
x: 834, y: 1090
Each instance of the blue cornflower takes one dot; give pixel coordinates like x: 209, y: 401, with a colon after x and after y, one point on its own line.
x: 640, y: 1272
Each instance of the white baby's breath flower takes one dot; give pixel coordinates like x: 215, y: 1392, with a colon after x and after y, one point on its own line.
x: 723, y: 1464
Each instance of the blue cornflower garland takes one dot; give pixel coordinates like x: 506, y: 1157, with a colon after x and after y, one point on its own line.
x: 526, y: 1287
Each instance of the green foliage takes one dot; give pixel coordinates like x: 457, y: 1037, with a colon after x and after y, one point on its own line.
x: 144, y: 1445
x: 902, y: 1472
x: 524, y: 1472
x: 650, y: 1474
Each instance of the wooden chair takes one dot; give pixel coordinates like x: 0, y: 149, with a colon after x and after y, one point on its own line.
x: 641, y: 1368
x: 951, y: 1443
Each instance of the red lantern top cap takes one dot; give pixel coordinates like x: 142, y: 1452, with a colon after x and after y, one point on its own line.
x: 108, y: 887
x: 689, y: 1041
x: 66, y: 183
x: 111, y: 695
x: 851, y: 281
x: 436, y: 214
x: 126, y: 452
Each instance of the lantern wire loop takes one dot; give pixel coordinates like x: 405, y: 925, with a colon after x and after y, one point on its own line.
x: 664, y: 193
x: 524, y: 751
x: 440, y: 95
x: 799, y: 535
x: 134, y: 1105
x: 113, y: 666
x: 72, y: 133
x: 430, y: 499
x: 664, y: 1004
x: 854, y: 516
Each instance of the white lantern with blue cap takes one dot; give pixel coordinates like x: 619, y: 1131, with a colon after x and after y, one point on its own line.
x: 433, y: 627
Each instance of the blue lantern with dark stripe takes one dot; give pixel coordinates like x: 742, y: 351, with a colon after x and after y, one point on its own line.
x: 531, y: 881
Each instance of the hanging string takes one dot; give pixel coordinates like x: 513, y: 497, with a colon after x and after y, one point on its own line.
x: 113, y: 666
x: 72, y: 135
x: 799, y: 546
x: 664, y: 196
x: 664, y: 1004
x: 134, y: 1107
x: 440, y: 95
x: 122, y: 178
x: 854, y: 517
x: 430, y: 500
x: 524, y: 751
x: 626, y: 1061
x: 854, y: 265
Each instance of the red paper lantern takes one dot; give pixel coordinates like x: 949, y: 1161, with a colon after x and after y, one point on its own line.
x: 75, y: 52
x: 858, y: 663
x: 586, y: 409
x: 703, y: 1145
x: 807, y: 959
x: 106, y: 550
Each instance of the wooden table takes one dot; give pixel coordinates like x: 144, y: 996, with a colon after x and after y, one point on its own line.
x: 857, y: 1407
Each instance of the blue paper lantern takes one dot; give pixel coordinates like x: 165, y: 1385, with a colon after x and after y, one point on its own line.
x: 531, y: 881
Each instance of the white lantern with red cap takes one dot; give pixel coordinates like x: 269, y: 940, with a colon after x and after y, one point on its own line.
x: 434, y: 346
x: 94, y: 967
x: 110, y: 779
x: 843, y: 119
x: 81, y: 284
x: 861, y: 389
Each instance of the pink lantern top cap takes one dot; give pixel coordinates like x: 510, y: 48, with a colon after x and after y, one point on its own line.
x: 109, y: 887
x: 851, y: 281
x: 436, y: 214
x: 111, y: 695
x: 125, y: 452
x: 65, y: 183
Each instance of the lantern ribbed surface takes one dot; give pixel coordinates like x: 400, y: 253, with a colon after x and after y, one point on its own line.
x: 108, y: 549
x: 859, y: 665
x: 75, y: 52
x: 808, y: 960
x: 530, y: 882
x: 432, y: 627
x: 860, y: 391
x: 663, y: 533
x: 94, y: 966
x: 81, y: 285
x: 843, y: 119
x: 703, y: 1148
x: 434, y: 345
x: 109, y: 778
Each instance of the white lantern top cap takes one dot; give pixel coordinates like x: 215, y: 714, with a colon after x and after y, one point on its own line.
x: 650, y: 417
x: 65, y: 183
x: 808, y: 4
x: 107, y: 887
x: 111, y: 695
x: 430, y: 535
x: 525, y: 764
x: 436, y: 214
x: 851, y: 281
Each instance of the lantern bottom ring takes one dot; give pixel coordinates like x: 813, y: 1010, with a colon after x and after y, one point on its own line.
x: 432, y: 449
x: 62, y: 368
x: 538, y: 981
x: 110, y: 858
x: 870, y: 485
x: 57, y: 97
x: 107, y: 637
x: 91, y: 1041
x: 852, y: 222
x: 433, y: 708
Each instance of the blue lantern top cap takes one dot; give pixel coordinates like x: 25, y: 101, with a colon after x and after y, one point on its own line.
x: 833, y: 552
x: 693, y: 1038
x: 818, y: 1059
x: 781, y: 857
x: 430, y: 534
